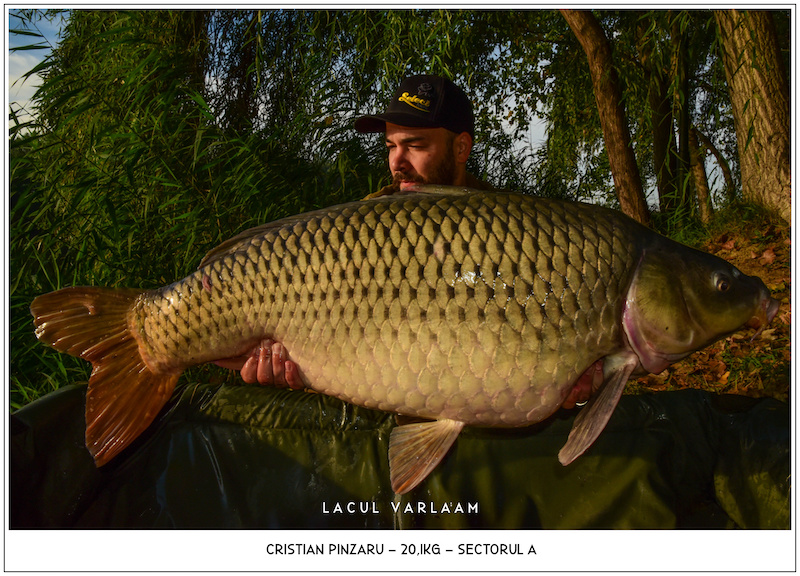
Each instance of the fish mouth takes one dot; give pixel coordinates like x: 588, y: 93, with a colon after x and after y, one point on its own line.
x: 763, y: 316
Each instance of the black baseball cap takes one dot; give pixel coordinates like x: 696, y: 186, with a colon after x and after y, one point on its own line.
x: 424, y: 101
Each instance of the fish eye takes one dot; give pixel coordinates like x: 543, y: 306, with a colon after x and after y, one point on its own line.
x: 723, y: 283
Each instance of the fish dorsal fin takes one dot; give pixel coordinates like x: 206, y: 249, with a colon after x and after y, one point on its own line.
x: 244, y: 238
x: 231, y: 245
x: 438, y: 189
x: 416, y: 449
x: 594, y: 417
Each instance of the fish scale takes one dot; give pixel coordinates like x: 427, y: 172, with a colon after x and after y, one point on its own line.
x: 477, y: 313
x: 460, y: 307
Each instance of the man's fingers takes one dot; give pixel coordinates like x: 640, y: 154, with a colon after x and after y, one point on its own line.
x: 278, y: 353
x: 293, y: 376
x: 265, y: 372
x: 266, y: 364
x: 249, y: 371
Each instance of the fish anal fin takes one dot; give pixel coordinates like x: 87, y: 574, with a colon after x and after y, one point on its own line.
x: 124, y: 394
x: 416, y: 449
x: 592, y: 419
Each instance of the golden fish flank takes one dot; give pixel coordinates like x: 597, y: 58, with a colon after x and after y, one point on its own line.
x: 466, y: 308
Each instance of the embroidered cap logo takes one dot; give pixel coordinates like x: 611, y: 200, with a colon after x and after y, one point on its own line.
x: 422, y: 100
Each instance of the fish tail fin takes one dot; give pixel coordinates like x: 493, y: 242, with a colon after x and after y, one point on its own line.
x: 124, y: 395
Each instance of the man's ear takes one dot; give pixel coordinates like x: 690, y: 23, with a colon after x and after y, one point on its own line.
x: 462, y: 147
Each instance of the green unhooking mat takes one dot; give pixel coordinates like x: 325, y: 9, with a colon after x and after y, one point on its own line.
x: 252, y: 457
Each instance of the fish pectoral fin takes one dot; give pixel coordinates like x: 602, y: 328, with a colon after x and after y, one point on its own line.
x: 416, y: 449
x: 594, y: 417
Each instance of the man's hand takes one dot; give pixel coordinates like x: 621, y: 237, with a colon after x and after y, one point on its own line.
x: 266, y: 364
x: 588, y: 383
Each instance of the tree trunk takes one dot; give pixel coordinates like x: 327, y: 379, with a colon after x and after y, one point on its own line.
x: 760, y: 99
x: 721, y: 162
x: 608, y: 96
x: 681, y: 107
x: 241, y: 112
x: 699, y: 177
x: 661, y: 118
x: 665, y: 151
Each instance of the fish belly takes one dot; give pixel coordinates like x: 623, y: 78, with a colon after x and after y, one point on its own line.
x: 481, y: 308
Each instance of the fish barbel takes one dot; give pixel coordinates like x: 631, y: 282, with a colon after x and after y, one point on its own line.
x: 458, y: 307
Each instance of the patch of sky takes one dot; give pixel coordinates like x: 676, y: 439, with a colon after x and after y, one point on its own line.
x: 31, y: 37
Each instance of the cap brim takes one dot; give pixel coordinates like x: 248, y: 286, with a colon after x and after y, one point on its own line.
x: 367, y: 124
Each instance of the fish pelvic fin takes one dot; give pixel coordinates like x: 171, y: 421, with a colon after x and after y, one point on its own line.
x: 416, y: 449
x: 124, y: 395
x: 592, y: 419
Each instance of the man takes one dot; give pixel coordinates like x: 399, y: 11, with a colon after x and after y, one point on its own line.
x: 430, y: 129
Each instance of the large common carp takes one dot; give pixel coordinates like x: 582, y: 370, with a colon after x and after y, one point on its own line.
x: 457, y: 307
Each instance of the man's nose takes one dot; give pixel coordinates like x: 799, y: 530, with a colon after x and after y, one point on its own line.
x: 397, y: 160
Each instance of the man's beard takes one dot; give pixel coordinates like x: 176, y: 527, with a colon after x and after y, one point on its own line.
x: 443, y: 173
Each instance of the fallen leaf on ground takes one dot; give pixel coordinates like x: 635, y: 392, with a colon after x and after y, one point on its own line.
x: 768, y: 257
